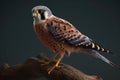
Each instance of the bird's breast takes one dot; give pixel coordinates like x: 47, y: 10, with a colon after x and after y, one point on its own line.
x: 42, y: 33
x: 46, y: 38
x: 49, y: 41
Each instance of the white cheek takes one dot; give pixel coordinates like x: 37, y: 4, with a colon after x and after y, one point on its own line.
x: 46, y: 15
x: 39, y: 16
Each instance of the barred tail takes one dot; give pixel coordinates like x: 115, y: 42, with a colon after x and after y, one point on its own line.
x: 99, y: 48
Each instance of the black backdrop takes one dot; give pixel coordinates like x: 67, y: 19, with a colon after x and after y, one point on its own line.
x: 100, y: 20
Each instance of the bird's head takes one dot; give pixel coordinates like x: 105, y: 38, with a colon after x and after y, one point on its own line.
x: 41, y: 13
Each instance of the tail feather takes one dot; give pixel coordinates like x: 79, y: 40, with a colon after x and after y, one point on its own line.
x: 99, y: 48
x: 99, y: 56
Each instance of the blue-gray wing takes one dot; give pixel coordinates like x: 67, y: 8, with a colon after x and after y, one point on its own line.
x: 69, y: 34
x: 65, y: 32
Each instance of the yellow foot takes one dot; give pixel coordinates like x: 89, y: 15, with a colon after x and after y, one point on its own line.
x: 46, y: 63
x: 52, y: 68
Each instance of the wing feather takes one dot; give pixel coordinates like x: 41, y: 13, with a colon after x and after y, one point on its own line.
x: 63, y: 31
x: 66, y: 32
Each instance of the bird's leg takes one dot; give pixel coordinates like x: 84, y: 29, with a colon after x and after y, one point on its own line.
x: 56, y: 65
x: 51, y: 60
x: 53, y: 57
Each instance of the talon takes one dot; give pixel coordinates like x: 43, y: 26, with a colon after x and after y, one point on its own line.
x: 56, y: 64
x: 46, y: 63
x: 59, y: 66
x: 52, y: 68
x: 51, y: 60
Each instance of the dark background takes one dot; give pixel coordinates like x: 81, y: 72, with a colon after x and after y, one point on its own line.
x: 100, y: 20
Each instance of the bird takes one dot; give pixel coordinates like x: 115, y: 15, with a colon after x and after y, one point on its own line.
x: 61, y: 37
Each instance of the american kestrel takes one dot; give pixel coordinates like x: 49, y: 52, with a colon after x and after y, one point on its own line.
x: 62, y: 37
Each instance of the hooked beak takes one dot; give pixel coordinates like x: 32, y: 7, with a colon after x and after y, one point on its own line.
x: 35, y: 13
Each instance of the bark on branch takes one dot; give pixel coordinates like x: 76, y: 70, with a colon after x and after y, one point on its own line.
x: 33, y: 69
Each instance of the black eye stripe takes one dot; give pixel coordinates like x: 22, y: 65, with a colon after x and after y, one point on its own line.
x: 42, y: 15
x: 39, y: 11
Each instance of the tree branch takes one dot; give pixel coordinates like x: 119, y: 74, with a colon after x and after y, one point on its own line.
x: 33, y: 69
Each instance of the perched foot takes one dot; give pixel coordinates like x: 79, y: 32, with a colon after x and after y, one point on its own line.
x: 51, y: 60
x: 56, y: 65
x: 48, y: 62
x: 52, y: 68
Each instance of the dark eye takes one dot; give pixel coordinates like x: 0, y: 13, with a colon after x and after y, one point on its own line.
x: 39, y: 11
